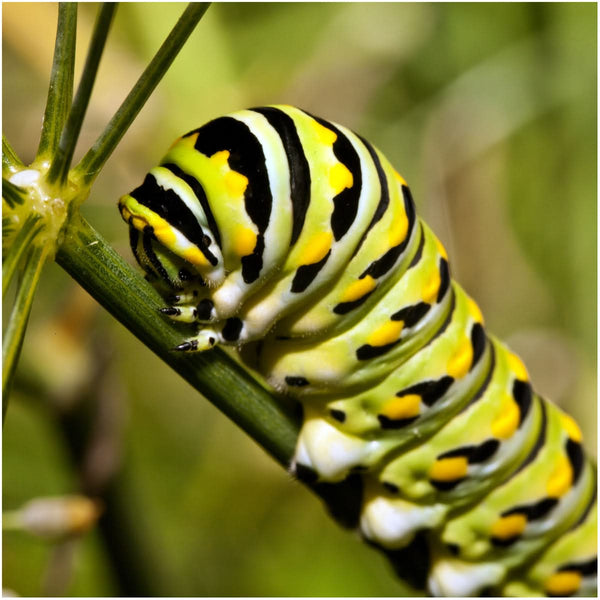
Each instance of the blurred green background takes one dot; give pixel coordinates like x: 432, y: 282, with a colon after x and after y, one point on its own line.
x: 488, y: 110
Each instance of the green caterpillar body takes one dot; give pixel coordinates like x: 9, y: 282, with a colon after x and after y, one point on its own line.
x: 295, y: 240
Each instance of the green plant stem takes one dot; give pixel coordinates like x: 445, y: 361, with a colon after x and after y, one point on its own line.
x: 90, y: 165
x: 60, y: 91
x: 15, y: 330
x: 70, y: 134
x: 21, y: 242
x: 12, y: 194
x: 129, y: 298
x: 10, y: 160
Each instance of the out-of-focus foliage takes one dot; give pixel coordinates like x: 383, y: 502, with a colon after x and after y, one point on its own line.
x: 488, y: 110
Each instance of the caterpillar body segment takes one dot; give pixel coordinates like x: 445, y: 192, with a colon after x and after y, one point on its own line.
x: 296, y: 241
x: 512, y: 525
x: 390, y: 243
x: 567, y: 568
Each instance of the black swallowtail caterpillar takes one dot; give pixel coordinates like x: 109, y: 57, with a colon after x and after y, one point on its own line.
x: 294, y: 239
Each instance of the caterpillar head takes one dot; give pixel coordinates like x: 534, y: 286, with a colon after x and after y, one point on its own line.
x: 169, y: 231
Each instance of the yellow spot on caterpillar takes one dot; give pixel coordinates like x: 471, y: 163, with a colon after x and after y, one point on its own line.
x: 235, y: 183
x: 125, y: 212
x: 441, y: 249
x: 358, y: 289
x: 325, y: 135
x: 561, y: 478
x: 517, y: 366
x: 189, y: 140
x: 474, y: 310
x: 340, y: 178
x: 195, y: 256
x: 403, y: 407
x: 244, y: 240
x: 317, y: 248
x: 564, y: 583
x: 220, y: 158
x: 165, y: 235
x: 459, y: 364
x: 432, y: 287
x: 388, y: 333
x: 449, y: 469
x: 400, y: 178
x: 138, y: 223
x: 398, y: 230
x: 510, y: 526
x: 163, y: 230
x: 571, y: 427
x: 506, y: 423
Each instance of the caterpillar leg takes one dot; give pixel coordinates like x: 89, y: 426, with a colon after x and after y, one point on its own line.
x: 391, y: 522
x: 326, y: 450
x: 456, y: 578
x: 188, y: 296
x: 183, y: 314
x: 187, y: 309
x: 204, y: 340
x: 223, y: 332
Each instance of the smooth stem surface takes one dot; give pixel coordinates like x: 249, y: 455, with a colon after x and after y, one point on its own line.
x: 90, y: 165
x: 60, y: 91
x: 15, y: 330
x: 64, y: 154
x: 133, y: 302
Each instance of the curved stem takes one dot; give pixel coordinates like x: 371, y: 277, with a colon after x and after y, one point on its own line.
x: 129, y: 298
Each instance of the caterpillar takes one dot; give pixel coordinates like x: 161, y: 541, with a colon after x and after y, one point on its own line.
x: 294, y: 240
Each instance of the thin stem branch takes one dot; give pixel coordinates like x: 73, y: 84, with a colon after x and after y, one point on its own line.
x: 60, y: 91
x: 90, y: 165
x: 61, y: 161
x: 15, y: 330
x: 21, y: 242
x: 129, y: 298
x: 10, y: 160
x: 13, y: 255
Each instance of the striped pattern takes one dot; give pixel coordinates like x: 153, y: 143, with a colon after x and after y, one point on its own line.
x: 272, y: 224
